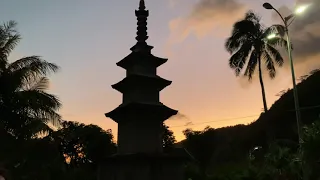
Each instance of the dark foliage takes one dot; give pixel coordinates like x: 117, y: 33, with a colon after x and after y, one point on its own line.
x: 82, y: 144
x: 168, y: 139
x: 25, y: 106
x: 72, y: 152
x: 222, y: 150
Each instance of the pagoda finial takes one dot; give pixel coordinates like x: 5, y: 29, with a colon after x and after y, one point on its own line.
x: 142, y: 5
x: 142, y: 34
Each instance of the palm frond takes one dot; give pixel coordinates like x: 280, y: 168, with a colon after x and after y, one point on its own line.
x: 252, y: 64
x: 39, y: 104
x: 14, y: 81
x: 33, y: 127
x: 269, y: 64
x: 45, y: 115
x: 255, y: 19
x: 237, y: 39
x: 245, y: 27
x: 277, y: 29
x: 233, y: 43
x: 252, y: 16
x: 34, y: 63
x: 275, y: 55
x: 25, y: 108
x: 9, y: 37
x: 10, y: 44
x: 41, y: 84
x: 279, y: 42
x: 43, y: 131
x: 246, y: 30
x: 3, y: 64
x: 7, y: 29
x: 238, y: 59
x: 38, y: 99
x: 29, y: 69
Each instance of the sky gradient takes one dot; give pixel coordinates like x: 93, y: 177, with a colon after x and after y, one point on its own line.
x: 87, y: 38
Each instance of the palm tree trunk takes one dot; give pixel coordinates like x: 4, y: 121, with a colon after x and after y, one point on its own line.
x: 262, y: 87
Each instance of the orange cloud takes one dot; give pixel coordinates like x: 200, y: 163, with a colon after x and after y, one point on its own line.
x: 206, y: 16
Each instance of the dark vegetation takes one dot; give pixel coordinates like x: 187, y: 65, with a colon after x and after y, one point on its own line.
x: 72, y: 152
x: 224, y: 150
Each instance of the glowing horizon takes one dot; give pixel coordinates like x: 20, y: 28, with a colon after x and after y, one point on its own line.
x: 87, y: 39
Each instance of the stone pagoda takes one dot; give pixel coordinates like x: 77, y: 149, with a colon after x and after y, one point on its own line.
x: 140, y: 117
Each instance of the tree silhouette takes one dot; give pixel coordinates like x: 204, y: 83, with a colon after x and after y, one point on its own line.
x: 82, y: 143
x: 84, y: 147
x: 249, y: 45
x: 311, y: 149
x: 168, y: 138
x: 201, y: 145
x: 25, y: 107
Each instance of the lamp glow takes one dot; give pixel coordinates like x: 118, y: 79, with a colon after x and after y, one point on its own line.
x: 301, y: 9
x: 271, y: 36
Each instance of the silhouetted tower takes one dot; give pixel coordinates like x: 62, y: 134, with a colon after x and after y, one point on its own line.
x: 141, y: 114
x: 140, y: 118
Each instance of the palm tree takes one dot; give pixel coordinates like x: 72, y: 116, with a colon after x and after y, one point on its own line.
x: 249, y: 44
x: 25, y: 107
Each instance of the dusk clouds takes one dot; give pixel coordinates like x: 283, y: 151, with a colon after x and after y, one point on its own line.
x: 216, y: 17
x: 205, y: 17
x: 305, y: 31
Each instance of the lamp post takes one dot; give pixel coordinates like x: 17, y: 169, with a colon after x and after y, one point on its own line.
x: 295, y: 91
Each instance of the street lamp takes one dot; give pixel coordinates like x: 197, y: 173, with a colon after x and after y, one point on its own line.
x: 271, y: 36
x: 286, y: 22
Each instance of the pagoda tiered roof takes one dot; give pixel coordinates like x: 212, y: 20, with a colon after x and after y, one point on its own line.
x: 140, y: 86
x: 138, y: 109
x: 139, y: 80
x: 141, y: 58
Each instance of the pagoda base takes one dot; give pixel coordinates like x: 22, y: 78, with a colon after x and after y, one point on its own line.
x: 143, y: 166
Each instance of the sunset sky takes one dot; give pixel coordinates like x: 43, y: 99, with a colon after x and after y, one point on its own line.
x: 87, y: 38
